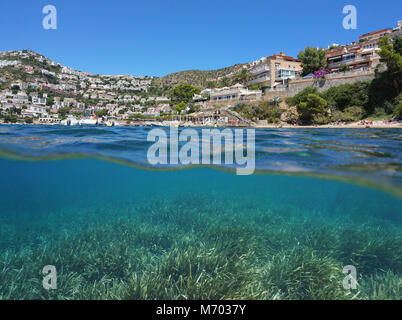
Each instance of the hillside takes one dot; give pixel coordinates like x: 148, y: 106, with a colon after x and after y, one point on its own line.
x: 37, y: 71
x: 198, y: 78
x: 33, y: 67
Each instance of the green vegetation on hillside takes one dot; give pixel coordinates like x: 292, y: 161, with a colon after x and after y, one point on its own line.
x: 184, y: 93
x: 385, y: 90
x: 182, y: 97
x: 380, y: 97
x: 198, y: 78
x: 263, y: 110
x: 312, y: 59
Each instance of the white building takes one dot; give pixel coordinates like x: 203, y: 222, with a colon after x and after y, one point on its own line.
x: 233, y: 94
x: 6, y: 63
x: 39, y: 101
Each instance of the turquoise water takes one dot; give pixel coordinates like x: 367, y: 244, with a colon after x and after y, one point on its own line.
x: 86, y: 201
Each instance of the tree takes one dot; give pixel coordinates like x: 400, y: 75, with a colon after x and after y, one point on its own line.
x: 50, y: 101
x: 398, y: 45
x: 301, y: 96
x: 387, y: 85
x: 224, y: 82
x: 212, y: 84
x: 347, y: 95
x: 398, y: 111
x: 313, y: 106
x: 312, y: 59
x: 242, y: 77
x: 184, y: 93
x: 63, y: 111
x: 276, y: 101
x: 15, y: 89
x: 102, y: 113
x: 390, y: 56
x: 180, y: 107
x: 10, y: 118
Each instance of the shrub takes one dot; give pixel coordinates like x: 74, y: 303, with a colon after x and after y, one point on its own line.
x: 379, y: 112
x: 301, y: 96
x: 312, y: 106
x: 10, y: 118
x: 354, y: 113
x: 321, y: 119
x: 347, y: 95
x: 388, y: 107
x: 263, y: 110
x: 180, y: 107
x: 336, y: 115
x: 398, y: 111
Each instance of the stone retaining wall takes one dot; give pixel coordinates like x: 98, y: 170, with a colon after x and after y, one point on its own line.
x: 324, y: 84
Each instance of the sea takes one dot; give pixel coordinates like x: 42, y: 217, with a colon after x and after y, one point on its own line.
x: 84, y: 215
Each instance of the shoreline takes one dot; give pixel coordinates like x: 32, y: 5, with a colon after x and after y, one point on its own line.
x: 379, y: 124
x: 326, y: 126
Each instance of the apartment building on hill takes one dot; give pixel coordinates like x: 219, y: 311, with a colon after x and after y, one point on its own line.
x: 362, y: 56
x: 233, y: 94
x: 273, y: 70
x: 374, y: 36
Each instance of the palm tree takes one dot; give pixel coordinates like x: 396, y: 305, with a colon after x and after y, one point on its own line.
x: 276, y: 101
x: 243, y: 76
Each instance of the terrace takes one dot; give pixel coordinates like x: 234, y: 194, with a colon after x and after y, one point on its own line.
x: 259, y: 69
x: 259, y: 79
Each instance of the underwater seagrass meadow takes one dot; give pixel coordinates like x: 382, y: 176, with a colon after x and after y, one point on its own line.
x: 120, y: 230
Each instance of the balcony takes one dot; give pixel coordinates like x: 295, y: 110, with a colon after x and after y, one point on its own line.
x: 259, y: 69
x: 335, y: 64
x: 224, y: 92
x: 351, y: 61
x: 356, y: 72
x: 258, y: 80
x: 365, y: 59
x: 284, y: 76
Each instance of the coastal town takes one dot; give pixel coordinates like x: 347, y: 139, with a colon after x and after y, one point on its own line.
x: 37, y: 90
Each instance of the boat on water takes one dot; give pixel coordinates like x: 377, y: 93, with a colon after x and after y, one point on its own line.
x: 70, y: 121
x: 88, y: 122
x: 174, y: 123
x: 89, y: 119
x: 111, y: 123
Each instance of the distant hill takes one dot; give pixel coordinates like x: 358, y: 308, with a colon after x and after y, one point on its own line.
x: 36, y: 70
x: 33, y: 67
x: 198, y: 78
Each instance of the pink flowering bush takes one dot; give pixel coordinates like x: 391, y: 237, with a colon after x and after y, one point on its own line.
x: 320, y: 73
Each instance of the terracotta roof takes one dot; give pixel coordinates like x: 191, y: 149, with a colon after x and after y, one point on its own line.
x: 284, y: 57
x: 374, y: 32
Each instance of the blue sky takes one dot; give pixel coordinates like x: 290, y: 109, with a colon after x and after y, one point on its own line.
x: 158, y: 37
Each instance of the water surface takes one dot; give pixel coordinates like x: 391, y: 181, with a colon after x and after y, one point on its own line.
x: 322, y: 199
